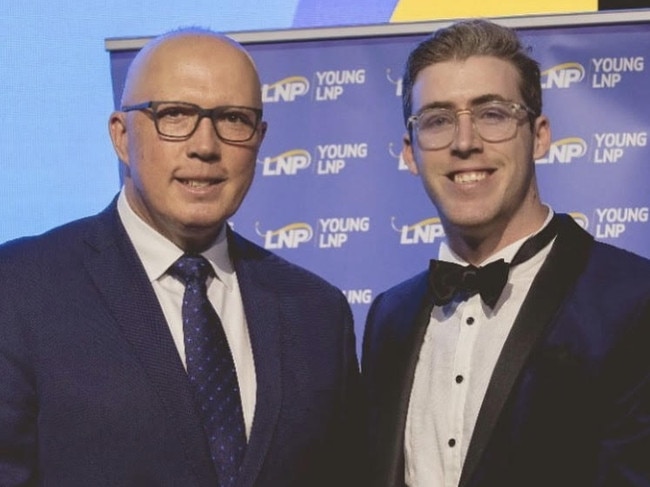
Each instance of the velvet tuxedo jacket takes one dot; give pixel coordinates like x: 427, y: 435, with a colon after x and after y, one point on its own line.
x: 568, y: 403
x: 93, y: 392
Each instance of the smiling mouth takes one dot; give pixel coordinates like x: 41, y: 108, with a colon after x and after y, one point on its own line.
x: 198, y: 183
x: 469, y: 177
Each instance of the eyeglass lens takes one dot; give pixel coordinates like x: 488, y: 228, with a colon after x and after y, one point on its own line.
x: 178, y: 120
x: 494, y: 122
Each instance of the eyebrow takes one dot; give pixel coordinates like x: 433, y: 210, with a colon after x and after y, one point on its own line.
x: 473, y: 102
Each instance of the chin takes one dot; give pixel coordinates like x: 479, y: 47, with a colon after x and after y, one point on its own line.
x: 203, y: 225
x: 471, y: 223
x: 461, y: 215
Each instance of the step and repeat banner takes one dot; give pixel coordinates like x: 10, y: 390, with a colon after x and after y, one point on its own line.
x: 332, y: 193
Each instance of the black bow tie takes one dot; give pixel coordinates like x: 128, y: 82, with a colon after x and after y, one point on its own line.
x: 447, y: 280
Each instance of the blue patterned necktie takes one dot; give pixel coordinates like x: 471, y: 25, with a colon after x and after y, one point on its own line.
x: 211, y: 370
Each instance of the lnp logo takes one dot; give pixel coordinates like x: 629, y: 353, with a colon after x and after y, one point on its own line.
x: 609, y: 71
x: 562, y: 75
x: 397, y: 82
x: 581, y: 219
x: 332, y: 158
x: 331, y: 84
x: 334, y: 232
x: 289, y: 163
x: 289, y: 236
x: 611, y: 146
x: 424, y: 231
x: 564, y: 151
x: 612, y: 222
x: 358, y: 296
x: 287, y: 89
x: 401, y: 164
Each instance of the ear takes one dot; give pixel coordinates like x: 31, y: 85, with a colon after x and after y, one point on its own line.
x: 542, y: 137
x: 119, y: 136
x: 262, y: 130
x: 408, y: 156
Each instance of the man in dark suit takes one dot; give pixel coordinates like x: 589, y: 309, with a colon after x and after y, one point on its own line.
x: 521, y: 359
x: 97, y: 317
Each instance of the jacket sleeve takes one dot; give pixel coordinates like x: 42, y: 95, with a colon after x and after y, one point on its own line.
x: 624, y: 449
x: 18, y: 408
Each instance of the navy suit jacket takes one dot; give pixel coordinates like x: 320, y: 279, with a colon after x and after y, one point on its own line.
x: 93, y: 392
x: 568, y: 404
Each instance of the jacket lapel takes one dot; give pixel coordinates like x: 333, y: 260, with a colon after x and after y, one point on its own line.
x: 121, y: 280
x: 547, y: 293
x: 263, y: 317
x: 397, y: 377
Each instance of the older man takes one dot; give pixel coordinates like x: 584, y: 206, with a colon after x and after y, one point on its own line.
x: 150, y: 344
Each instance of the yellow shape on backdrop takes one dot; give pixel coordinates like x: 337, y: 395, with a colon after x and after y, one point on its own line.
x: 412, y: 10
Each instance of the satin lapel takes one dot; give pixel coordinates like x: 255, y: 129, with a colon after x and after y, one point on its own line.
x: 264, y: 326
x: 394, y: 419
x: 120, y: 278
x: 558, y: 274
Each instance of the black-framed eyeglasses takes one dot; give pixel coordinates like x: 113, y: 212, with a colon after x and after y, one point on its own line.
x: 179, y: 120
x: 494, y: 121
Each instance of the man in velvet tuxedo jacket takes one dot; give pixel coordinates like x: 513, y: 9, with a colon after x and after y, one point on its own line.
x: 93, y: 385
x: 539, y: 381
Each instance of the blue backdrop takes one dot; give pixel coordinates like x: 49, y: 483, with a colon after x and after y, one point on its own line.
x: 332, y: 194
x: 57, y: 159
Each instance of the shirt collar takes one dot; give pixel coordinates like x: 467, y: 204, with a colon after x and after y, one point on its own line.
x: 157, y: 253
x: 507, y: 253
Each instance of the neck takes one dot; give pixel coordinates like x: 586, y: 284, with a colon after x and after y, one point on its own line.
x: 475, y: 245
x: 197, y: 242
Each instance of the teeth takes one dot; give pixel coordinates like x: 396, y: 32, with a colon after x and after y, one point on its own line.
x: 196, y: 184
x: 469, y: 177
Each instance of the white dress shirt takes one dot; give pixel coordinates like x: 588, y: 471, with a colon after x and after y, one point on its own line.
x: 460, y: 350
x: 157, y: 254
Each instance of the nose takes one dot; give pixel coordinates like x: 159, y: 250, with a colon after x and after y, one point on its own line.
x: 466, y: 138
x: 204, y: 143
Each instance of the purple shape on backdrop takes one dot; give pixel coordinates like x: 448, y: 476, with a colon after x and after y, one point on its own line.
x: 321, y: 13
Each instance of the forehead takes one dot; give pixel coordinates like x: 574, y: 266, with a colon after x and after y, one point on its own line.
x: 198, y: 69
x: 460, y: 82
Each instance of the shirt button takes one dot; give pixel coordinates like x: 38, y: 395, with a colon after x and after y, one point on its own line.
x: 451, y: 442
x: 469, y: 321
x: 459, y: 379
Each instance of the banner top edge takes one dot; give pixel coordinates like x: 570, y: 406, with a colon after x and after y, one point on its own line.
x: 115, y: 44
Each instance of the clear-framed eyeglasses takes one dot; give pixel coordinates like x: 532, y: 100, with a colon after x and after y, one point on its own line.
x: 494, y: 121
x: 178, y: 120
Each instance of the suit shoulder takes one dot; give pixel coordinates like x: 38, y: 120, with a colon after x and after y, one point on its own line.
x: 608, y: 269
x: 615, y: 261
x: 415, y: 285
x: 286, y: 275
x: 615, y: 271
x: 52, y: 244
x: 401, y: 299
